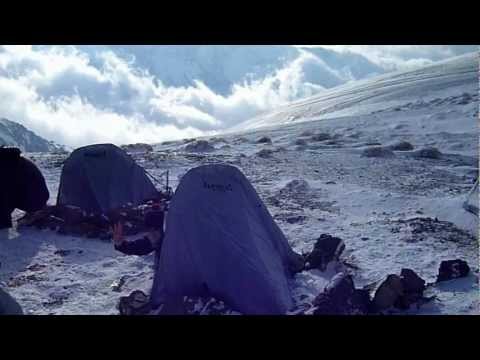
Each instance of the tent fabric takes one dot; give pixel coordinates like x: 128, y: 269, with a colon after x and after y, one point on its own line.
x: 8, y: 305
x: 221, y: 241
x: 472, y: 201
x: 102, y: 177
x: 22, y: 185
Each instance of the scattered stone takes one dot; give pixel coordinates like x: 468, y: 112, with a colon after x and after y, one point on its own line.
x: 412, y: 283
x: 117, y: 285
x: 215, y: 140
x: 400, y: 291
x: 428, y: 153
x: 321, y: 137
x: 301, y: 142
x: 296, y: 186
x: 341, y: 298
x: 265, y: 153
x: 378, y: 151
x: 296, y: 219
x: 137, y: 303
x: 326, y: 249
x: 306, y: 133
x: 401, y: 146
x: 388, y: 293
x: 264, y: 140
x: 61, y: 252
x: 199, y: 146
x: 139, y: 147
x: 36, y: 267
x: 452, y: 269
x: 240, y: 140
x: 186, y: 141
x: 373, y: 143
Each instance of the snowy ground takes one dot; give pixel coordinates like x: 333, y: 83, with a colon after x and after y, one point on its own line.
x: 363, y: 200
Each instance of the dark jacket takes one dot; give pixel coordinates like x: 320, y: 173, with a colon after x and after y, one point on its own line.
x: 143, y: 246
x: 22, y: 185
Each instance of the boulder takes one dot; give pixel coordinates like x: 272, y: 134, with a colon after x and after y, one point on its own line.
x: 199, y: 146
x: 265, y: 153
x: 320, y: 137
x: 452, y: 269
x: 401, y: 146
x: 139, y: 147
x: 412, y: 283
x: 388, y: 293
x: 264, y: 140
x: 326, y: 249
x: 341, y: 298
x: 428, y: 153
x: 378, y: 151
x: 306, y: 133
x: 301, y: 142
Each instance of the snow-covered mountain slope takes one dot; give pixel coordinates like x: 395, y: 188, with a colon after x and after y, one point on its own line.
x: 397, y: 211
x: 15, y: 134
x: 431, y: 85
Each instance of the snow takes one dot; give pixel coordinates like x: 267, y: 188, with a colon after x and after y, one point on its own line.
x: 368, y: 202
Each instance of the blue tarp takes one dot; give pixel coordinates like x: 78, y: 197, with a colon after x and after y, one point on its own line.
x: 221, y: 240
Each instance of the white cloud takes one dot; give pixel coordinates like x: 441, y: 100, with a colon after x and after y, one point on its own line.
x: 59, y: 94
x: 77, y: 97
x: 402, y: 57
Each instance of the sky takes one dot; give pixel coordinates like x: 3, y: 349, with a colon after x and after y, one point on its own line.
x: 81, y: 95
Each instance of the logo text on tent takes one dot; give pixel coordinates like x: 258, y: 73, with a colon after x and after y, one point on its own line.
x: 217, y: 187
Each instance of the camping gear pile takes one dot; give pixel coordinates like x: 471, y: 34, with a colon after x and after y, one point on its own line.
x: 72, y: 220
x: 100, y: 184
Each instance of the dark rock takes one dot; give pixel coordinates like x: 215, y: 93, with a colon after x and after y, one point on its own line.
x: 388, y: 293
x: 412, y: 283
x: 306, y: 133
x: 297, y: 263
x: 139, y: 147
x: 265, y: 153
x: 61, y: 252
x: 300, y: 142
x: 401, y: 146
x: 199, y: 146
x: 341, y: 298
x: 373, y: 143
x: 360, y: 302
x: 326, y: 249
x: 137, y: 303
x: 296, y: 219
x: 378, y: 151
x: 321, y: 137
x: 428, y: 153
x: 264, y: 140
x: 452, y: 269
